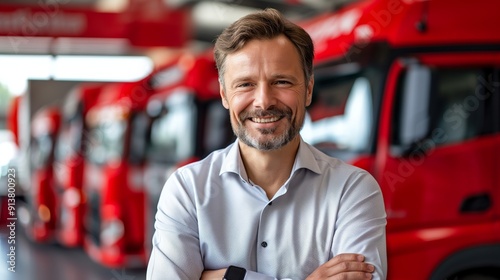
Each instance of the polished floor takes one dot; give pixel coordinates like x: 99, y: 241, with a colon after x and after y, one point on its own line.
x: 53, y: 262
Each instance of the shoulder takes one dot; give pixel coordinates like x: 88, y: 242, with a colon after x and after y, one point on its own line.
x: 211, y: 163
x: 192, y: 178
x: 326, y: 162
x: 340, y: 171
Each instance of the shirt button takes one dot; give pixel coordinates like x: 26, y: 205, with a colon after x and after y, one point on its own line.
x: 263, y: 244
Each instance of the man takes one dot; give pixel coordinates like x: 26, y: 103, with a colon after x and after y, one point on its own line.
x: 269, y: 206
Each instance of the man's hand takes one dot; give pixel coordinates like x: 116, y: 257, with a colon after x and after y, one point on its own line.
x: 343, y: 267
x: 213, y: 274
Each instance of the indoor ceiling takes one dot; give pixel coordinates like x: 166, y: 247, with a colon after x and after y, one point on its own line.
x: 209, y: 17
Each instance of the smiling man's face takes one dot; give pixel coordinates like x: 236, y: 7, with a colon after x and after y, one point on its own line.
x: 266, y: 92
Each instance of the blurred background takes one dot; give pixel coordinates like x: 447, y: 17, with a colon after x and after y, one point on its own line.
x: 101, y: 100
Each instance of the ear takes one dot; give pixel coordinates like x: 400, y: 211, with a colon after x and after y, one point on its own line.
x: 310, y: 86
x: 223, y: 96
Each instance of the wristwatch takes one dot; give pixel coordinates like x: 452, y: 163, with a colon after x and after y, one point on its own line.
x: 235, y: 273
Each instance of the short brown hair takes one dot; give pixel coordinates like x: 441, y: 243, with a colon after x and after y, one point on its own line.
x: 266, y: 24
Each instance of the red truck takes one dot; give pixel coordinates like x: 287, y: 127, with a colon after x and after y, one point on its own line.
x: 410, y: 91
x: 138, y: 132
x: 188, y: 122
x: 69, y: 162
x: 41, y: 200
x: 112, y: 185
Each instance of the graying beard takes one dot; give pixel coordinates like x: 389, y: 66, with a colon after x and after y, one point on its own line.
x: 273, y: 144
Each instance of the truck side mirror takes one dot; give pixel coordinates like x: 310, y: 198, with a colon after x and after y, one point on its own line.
x: 415, y: 122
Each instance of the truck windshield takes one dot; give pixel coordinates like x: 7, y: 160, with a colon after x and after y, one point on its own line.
x: 106, y: 141
x: 41, y: 150
x: 340, y: 119
x: 166, y: 77
x: 69, y: 139
x: 173, y: 130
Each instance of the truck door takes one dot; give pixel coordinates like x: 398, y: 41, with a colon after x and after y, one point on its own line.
x: 436, y: 156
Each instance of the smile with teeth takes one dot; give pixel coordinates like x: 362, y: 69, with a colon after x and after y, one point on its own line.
x: 265, y: 120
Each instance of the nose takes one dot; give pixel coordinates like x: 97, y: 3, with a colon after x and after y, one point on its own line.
x: 264, y: 97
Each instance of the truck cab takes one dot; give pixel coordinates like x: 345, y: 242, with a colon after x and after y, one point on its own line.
x: 115, y: 185
x: 70, y: 149
x: 113, y: 219
x: 188, y: 122
x: 41, y: 201
x: 409, y: 91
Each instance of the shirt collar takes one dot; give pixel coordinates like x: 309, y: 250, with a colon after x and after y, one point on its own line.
x: 305, y: 159
x: 233, y: 162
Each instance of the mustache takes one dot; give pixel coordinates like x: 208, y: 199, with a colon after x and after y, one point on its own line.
x: 271, y: 111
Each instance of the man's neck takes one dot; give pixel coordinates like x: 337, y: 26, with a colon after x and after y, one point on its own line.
x: 269, y: 169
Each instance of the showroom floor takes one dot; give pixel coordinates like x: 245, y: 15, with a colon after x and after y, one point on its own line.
x: 52, y: 262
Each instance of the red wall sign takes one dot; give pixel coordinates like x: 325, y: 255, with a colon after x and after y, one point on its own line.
x: 171, y: 29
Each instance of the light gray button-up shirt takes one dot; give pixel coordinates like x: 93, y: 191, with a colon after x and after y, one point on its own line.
x: 210, y: 216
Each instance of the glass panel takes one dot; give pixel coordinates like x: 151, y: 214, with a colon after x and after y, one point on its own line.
x: 41, y: 149
x: 173, y: 133
x: 106, y: 142
x: 450, y: 108
x: 69, y: 139
x: 166, y: 77
x: 138, y: 137
x: 415, y: 104
x: 218, y: 132
x: 458, y: 112
x: 340, y: 118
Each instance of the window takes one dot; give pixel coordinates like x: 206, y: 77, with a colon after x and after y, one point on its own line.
x: 106, y: 142
x: 456, y: 109
x: 442, y: 105
x: 70, y: 137
x: 138, y: 137
x: 217, y: 127
x: 173, y: 131
x: 166, y: 77
x: 340, y: 119
x: 41, y: 150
